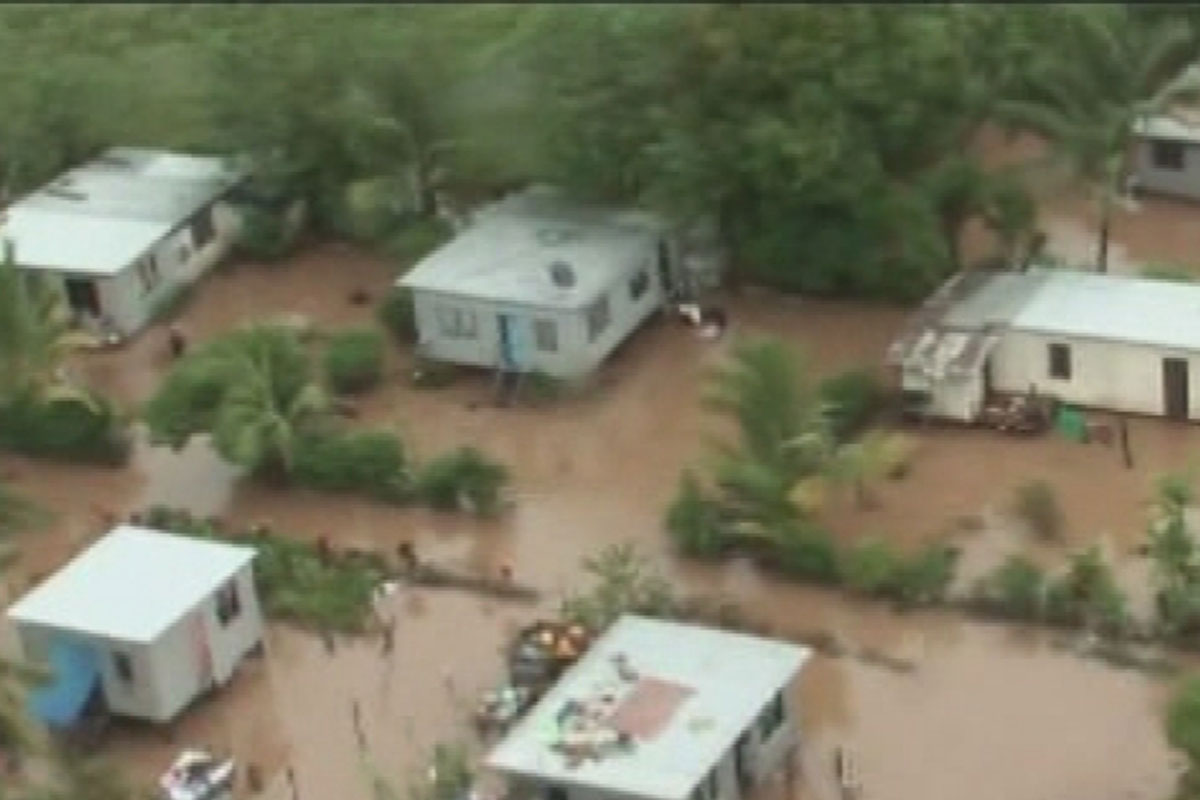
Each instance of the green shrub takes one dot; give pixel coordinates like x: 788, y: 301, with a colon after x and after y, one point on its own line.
x: 853, y: 398
x: 1015, y: 589
x: 266, y: 233
x: 417, y: 239
x: 398, y: 315
x: 370, y: 209
x: 1087, y: 594
x: 1037, y: 504
x: 80, y: 427
x: 354, y: 360
x: 808, y: 553
x: 693, y: 521
x: 464, y: 479
x: 925, y: 577
x: 368, y: 462
x: 873, y: 567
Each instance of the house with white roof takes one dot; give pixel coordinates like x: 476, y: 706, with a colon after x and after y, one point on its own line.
x: 1166, y: 155
x: 124, y: 231
x: 142, y: 620
x: 661, y: 711
x: 538, y: 282
x: 1096, y: 340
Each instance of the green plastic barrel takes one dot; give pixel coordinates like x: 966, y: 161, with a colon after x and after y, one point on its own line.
x: 1071, y: 423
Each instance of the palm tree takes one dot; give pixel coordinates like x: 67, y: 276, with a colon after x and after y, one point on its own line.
x: 783, y: 430
x: 1105, y: 73
x: 250, y: 389
x: 35, y: 331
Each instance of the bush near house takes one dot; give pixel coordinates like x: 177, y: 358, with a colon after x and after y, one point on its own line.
x: 1015, y: 589
x: 807, y: 553
x: 462, y: 480
x: 871, y: 567
x: 79, y: 426
x: 267, y: 233
x: 353, y: 360
x: 853, y: 398
x: 416, y: 239
x: 398, y: 315
x: 368, y: 462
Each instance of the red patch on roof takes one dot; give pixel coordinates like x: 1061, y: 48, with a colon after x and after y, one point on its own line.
x: 647, y: 709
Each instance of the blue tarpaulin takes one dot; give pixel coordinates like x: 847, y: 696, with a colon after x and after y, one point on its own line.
x: 75, y: 670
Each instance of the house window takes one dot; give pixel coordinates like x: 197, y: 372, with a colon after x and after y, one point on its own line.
x: 771, y: 717
x: 597, y: 318
x: 229, y: 604
x: 123, y: 664
x: 556, y: 793
x: 202, y: 228
x: 1167, y: 155
x: 456, y: 323
x: 638, y: 285
x: 147, y: 270
x: 1060, y: 362
x: 545, y: 334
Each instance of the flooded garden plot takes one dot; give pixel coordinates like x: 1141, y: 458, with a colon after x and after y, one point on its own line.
x: 995, y: 709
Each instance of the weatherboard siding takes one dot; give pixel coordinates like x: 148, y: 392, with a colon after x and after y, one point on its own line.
x: 1108, y: 375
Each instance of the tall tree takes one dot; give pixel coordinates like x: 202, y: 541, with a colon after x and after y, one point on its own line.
x: 1099, y: 72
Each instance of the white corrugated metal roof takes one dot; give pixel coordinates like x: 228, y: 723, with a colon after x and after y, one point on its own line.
x: 132, y: 584
x: 100, y: 217
x: 733, y: 677
x: 1115, y: 307
x: 1168, y: 127
x: 506, y: 253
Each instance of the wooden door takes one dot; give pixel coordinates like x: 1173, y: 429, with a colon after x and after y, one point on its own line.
x: 1176, y: 399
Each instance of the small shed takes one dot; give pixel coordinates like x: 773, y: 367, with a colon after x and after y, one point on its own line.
x: 538, y: 282
x: 1096, y: 340
x: 148, y: 620
x: 123, y: 232
x: 661, y: 710
x: 1166, y: 155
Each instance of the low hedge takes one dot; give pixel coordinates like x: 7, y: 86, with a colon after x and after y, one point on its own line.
x: 353, y: 360
x: 368, y: 462
x: 82, y: 427
x: 462, y: 480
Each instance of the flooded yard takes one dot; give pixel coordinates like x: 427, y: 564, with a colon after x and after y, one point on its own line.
x: 992, y: 710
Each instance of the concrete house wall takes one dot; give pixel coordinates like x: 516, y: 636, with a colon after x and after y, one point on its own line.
x: 575, y: 356
x: 1104, y: 374
x: 182, y: 670
x: 1183, y: 182
x: 130, y: 306
x: 168, y: 673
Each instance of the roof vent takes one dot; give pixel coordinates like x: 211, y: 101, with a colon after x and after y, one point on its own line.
x: 562, y: 275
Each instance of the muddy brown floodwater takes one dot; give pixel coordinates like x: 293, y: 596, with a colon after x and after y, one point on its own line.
x: 988, y: 711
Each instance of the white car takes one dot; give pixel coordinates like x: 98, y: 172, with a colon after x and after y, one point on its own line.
x: 196, y: 775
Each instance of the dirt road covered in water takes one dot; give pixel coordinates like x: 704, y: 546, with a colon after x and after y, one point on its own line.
x: 992, y: 710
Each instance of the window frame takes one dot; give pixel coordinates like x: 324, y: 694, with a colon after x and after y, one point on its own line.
x: 147, y: 272
x: 123, y: 666
x: 598, y: 317
x: 639, y: 284
x: 203, y: 223
x: 545, y: 334
x: 772, y: 717
x: 1168, y: 154
x: 456, y: 322
x: 228, y: 603
x: 1059, y: 366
